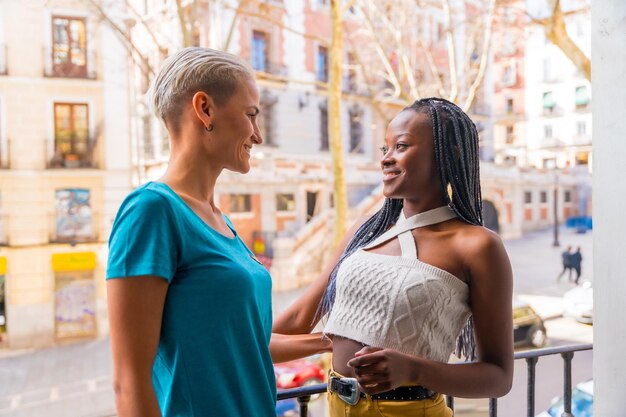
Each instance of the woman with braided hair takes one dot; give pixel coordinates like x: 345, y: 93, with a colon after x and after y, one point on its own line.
x: 419, y: 279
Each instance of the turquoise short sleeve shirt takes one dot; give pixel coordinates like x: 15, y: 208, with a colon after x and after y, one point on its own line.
x: 213, y: 357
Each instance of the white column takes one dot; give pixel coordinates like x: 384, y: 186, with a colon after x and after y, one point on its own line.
x: 609, y: 200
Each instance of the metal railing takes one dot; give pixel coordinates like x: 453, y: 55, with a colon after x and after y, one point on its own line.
x: 85, y: 70
x: 56, y: 160
x: 303, y: 394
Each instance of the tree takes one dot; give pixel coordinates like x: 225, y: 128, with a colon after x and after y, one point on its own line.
x: 555, y: 29
x: 410, y: 63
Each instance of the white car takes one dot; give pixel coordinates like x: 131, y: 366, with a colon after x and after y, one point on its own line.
x: 578, y: 303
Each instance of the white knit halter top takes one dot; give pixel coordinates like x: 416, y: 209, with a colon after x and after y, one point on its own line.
x: 400, y: 302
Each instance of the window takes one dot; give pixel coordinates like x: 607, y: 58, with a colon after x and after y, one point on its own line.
x: 543, y: 197
x: 510, y: 134
x: 548, y: 101
x: 356, y: 129
x: 69, y: 47
x: 547, y: 131
x: 266, y: 118
x: 73, y: 222
x: 548, y: 74
x: 72, y: 147
x: 509, y: 105
x: 581, y: 128
x: 351, y: 72
x: 582, y: 97
x: 567, y: 196
x: 323, y: 126
x: 240, y: 203
x: 322, y: 64
x: 259, y: 51
x: 510, y: 75
x: 528, y: 197
x: 285, y: 202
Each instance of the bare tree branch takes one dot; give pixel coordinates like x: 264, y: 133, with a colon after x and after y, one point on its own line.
x: 454, y: 76
x: 556, y: 31
x: 488, y: 32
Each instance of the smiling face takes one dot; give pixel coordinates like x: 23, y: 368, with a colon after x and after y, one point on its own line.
x: 408, y: 162
x: 235, y: 128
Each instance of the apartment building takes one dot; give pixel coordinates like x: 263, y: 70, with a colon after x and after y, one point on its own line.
x: 65, y: 159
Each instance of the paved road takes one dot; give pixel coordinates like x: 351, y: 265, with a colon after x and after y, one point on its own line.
x: 75, y: 380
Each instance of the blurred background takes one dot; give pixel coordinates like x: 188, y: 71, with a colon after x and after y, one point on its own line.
x: 77, y: 135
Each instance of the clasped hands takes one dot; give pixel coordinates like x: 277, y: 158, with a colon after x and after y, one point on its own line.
x: 378, y: 370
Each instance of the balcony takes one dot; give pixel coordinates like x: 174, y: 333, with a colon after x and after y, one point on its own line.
x: 271, y: 70
x: 79, y: 69
x: 303, y: 394
x: 553, y: 111
x: 75, y: 224
x: 71, y: 159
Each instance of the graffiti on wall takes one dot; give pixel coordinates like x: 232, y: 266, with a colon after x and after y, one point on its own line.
x: 75, y: 304
x: 73, y: 214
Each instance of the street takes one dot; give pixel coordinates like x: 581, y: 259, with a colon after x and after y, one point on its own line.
x: 75, y: 380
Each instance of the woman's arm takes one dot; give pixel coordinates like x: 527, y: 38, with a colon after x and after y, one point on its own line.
x: 490, y: 298
x: 299, y: 317
x: 135, y: 310
x: 289, y: 347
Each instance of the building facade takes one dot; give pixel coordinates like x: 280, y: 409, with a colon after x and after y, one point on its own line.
x: 65, y: 168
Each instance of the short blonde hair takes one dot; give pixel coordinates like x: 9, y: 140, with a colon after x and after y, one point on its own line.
x: 194, y: 69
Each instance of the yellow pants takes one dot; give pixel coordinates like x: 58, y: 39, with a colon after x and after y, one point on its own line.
x: 366, y: 407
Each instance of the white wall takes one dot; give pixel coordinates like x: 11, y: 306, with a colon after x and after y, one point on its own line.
x: 609, y: 193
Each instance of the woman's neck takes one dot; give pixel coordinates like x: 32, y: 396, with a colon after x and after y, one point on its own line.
x: 414, y: 206
x: 190, y: 172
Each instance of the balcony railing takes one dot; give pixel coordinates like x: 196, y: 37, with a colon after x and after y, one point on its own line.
x: 70, y: 160
x: 273, y: 68
x: 303, y: 394
x: 84, y: 70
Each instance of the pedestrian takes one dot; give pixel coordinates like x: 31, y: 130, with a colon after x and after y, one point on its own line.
x: 576, y: 263
x: 416, y: 280
x: 189, y: 305
x: 566, y: 260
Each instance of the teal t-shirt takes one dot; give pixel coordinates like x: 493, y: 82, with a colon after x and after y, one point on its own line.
x: 213, y: 357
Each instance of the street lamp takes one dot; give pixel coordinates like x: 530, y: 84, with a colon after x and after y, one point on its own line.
x: 556, y: 243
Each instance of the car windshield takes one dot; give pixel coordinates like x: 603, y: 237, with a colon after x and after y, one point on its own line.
x: 582, y: 405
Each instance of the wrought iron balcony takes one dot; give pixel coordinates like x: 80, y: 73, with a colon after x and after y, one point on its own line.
x: 58, y: 159
x: 303, y: 394
x: 55, y: 68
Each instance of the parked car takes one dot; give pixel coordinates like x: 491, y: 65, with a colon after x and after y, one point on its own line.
x: 299, y: 373
x: 582, y: 402
x: 578, y: 303
x: 528, y: 327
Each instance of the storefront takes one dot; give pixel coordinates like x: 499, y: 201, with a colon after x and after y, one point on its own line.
x: 74, y: 295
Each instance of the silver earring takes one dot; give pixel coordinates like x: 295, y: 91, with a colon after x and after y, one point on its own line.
x: 209, y: 128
